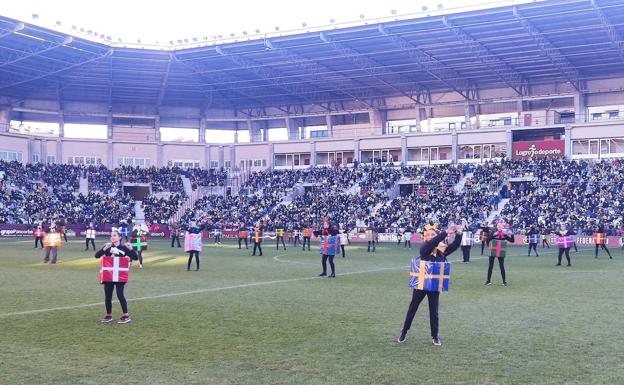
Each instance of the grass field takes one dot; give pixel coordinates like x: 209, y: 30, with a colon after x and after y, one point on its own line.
x: 269, y: 320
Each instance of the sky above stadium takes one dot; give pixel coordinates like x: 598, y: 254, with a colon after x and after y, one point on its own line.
x: 174, y: 21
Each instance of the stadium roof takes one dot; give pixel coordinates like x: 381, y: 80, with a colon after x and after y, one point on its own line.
x: 510, y: 46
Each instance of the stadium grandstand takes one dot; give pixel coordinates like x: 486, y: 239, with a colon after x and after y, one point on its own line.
x: 508, y: 112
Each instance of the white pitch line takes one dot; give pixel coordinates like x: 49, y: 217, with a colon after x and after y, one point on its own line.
x: 213, y: 289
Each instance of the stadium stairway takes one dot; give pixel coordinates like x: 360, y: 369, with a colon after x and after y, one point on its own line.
x: 139, y: 214
x: 83, y: 186
x: 355, y: 189
x: 495, y: 214
x: 462, y: 182
x: 188, y: 189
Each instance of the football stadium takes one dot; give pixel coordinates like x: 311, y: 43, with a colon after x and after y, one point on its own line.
x: 273, y: 206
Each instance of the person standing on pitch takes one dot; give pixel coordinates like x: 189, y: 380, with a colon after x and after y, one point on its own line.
x: 193, y: 243
x: 498, y: 250
x: 533, y: 236
x: 175, y: 233
x: 38, y: 233
x: 279, y: 234
x: 243, y: 234
x: 307, y: 234
x: 329, y: 248
x: 257, y: 236
x: 51, y: 241
x: 564, y: 241
x: 296, y: 234
x: 466, y: 242
x: 407, y: 235
x: 216, y: 233
x: 344, y: 240
x: 546, y: 232
x: 138, y: 241
x: 485, y: 236
x: 600, y: 240
x: 371, y: 237
x: 90, y: 236
x: 435, y: 250
x: 115, y: 266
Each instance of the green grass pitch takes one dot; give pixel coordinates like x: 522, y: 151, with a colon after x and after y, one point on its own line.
x: 269, y: 320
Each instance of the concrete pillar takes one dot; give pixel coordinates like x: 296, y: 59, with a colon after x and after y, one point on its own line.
x: 44, y: 151
x: 207, y: 156
x: 454, y: 145
x: 160, y: 158
x: 404, y: 150
x: 157, y: 129
x: 421, y: 114
x: 312, y: 153
x: 61, y: 121
x: 109, y: 126
x: 221, y: 156
x: 5, y: 118
x: 233, y: 162
x: 471, y: 112
x: 377, y: 121
x: 29, y: 151
x: 254, y: 131
x: 509, y: 142
x: 111, y: 155
x: 271, y: 160
x: 356, y: 150
x: 520, y: 108
x: 59, y: 151
x: 580, y: 107
x: 236, y: 136
x: 568, y: 142
x: 293, y: 129
x: 202, y: 130
x: 330, y: 125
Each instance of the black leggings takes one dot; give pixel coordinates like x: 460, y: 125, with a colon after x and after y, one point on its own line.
x: 278, y: 242
x: 604, y: 247
x: 408, y: 244
x: 373, y: 243
x: 38, y: 240
x: 258, y: 246
x: 342, y: 249
x: 433, y: 297
x: 483, y: 244
x: 331, y: 263
x: 65, y: 236
x: 174, y: 239
x: 466, y: 253
x: 532, y: 246
x: 196, y: 254
x: 501, y: 264
x: 545, y: 242
x: 296, y: 240
x: 217, y: 238
x: 92, y: 241
x: 108, y: 296
x: 240, y: 241
x: 306, y: 239
x: 140, y: 254
x: 567, y: 255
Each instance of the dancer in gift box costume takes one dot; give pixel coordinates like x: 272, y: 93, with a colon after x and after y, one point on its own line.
x: 193, y: 244
x: 243, y: 234
x: 344, y: 241
x: 565, y: 240
x: 371, y: 237
x: 115, y: 267
x: 466, y: 242
x: 279, y: 234
x: 138, y: 241
x: 407, y: 236
x: 296, y: 235
x: 600, y: 240
x: 498, y: 250
x: 175, y: 233
x: 51, y: 242
x: 257, y: 235
x: 90, y: 237
x: 307, y: 234
x: 533, y: 237
x: 432, y: 250
x: 216, y: 233
x: 330, y: 243
x: 38, y: 233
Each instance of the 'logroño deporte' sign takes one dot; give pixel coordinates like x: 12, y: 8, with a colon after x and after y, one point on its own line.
x: 538, y: 149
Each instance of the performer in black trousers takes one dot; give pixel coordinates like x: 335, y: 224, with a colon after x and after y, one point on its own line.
x: 256, y: 236
x: 532, y: 237
x: 601, y: 244
x: 500, y: 234
x: 296, y: 235
x: 433, y: 249
x: 466, y: 242
x: 115, y: 248
x: 307, y: 234
x: 563, y: 248
x: 243, y: 234
x: 545, y: 234
x: 279, y: 235
x: 485, y: 236
x: 175, y: 233
x: 194, y: 229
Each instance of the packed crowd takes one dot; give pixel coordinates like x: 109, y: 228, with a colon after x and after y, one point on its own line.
x: 540, y: 192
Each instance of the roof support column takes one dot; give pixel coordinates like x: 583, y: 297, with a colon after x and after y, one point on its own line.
x: 5, y: 118
x: 509, y: 142
x: 568, y: 142
x: 455, y: 146
x: 580, y: 107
